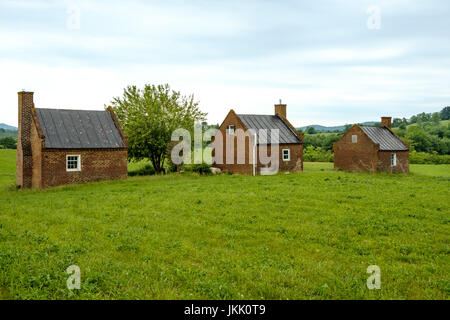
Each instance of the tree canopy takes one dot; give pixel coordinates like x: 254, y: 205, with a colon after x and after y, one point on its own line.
x: 150, y: 115
x: 8, y: 143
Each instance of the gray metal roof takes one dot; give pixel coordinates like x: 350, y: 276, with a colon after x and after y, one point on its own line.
x: 257, y: 122
x: 387, y: 140
x: 79, y: 129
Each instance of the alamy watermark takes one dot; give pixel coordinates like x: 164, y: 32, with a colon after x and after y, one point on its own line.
x: 374, y: 280
x: 73, y: 21
x: 74, y: 280
x: 374, y: 20
x: 259, y: 148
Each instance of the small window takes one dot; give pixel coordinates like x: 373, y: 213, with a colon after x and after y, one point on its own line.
x: 354, y: 138
x: 393, y: 159
x: 286, y: 155
x: 73, y: 163
x: 230, y: 129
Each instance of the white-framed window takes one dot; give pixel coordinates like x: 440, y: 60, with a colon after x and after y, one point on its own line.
x: 231, y: 129
x: 354, y: 138
x: 73, y: 162
x: 393, y: 159
x: 286, y: 154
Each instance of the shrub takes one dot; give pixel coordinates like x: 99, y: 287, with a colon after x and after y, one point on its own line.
x: 147, y: 170
x: 428, y: 158
x: 202, y: 168
x: 8, y: 143
x: 171, y: 167
x: 317, y: 154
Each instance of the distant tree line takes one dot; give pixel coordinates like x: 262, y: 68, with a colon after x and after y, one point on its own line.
x: 8, y: 143
x: 8, y: 133
x: 427, y: 133
x: 422, y: 118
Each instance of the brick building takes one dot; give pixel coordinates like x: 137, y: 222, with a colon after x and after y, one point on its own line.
x: 56, y: 146
x: 372, y: 149
x: 254, y: 135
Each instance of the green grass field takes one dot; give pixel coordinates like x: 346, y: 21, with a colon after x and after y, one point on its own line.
x: 289, y: 236
x: 416, y: 169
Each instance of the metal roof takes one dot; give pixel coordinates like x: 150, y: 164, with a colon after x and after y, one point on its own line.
x: 387, y: 140
x: 79, y: 129
x: 267, y: 122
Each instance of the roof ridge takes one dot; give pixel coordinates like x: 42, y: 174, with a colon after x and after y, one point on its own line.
x: 70, y: 109
x: 253, y: 114
x: 269, y: 122
x: 288, y: 126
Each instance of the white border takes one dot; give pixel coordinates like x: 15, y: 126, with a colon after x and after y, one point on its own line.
x: 234, y: 131
x: 289, y: 154
x: 395, y: 159
x: 78, y: 164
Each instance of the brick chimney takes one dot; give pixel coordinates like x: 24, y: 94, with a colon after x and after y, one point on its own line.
x: 24, y: 156
x: 280, y: 109
x: 386, y: 122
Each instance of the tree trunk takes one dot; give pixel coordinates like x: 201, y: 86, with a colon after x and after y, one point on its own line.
x: 156, y: 161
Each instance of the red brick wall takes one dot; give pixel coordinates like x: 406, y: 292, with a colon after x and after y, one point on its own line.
x: 384, y: 162
x: 24, y: 160
x: 96, y: 165
x: 36, y: 147
x: 365, y: 156
x: 360, y: 156
x: 227, y: 148
x: 295, y: 164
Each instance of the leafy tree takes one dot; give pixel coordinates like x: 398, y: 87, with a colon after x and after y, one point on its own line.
x: 310, y: 130
x: 436, y: 117
x: 8, y: 143
x: 150, y: 115
x: 323, y: 140
x: 396, y: 122
x: 419, y: 139
x: 445, y: 113
x: 347, y: 127
x: 317, y: 154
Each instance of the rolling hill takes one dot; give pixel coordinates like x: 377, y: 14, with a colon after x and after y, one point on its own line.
x: 334, y: 128
x: 7, y: 127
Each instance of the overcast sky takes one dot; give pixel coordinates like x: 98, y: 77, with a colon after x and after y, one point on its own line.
x: 331, y: 62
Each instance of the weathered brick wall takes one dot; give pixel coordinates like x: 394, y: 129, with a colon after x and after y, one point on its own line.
x: 228, y: 148
x: 384, y: 162
x: 281, y: 110
x: 360, y: 156
x: 36, y: 147
x: 365, y: 156
x: 96, y: 165
x: 295, y: 163
x: 24, y: 153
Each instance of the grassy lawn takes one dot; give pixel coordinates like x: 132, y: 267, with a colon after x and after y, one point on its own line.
x: 442, y: 170
x: 289, y: 236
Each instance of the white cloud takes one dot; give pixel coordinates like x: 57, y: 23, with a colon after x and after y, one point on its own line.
x: 328, y: 68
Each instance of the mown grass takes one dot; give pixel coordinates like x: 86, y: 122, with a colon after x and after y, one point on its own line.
x: 289, y: 236
x: 442, y: 170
